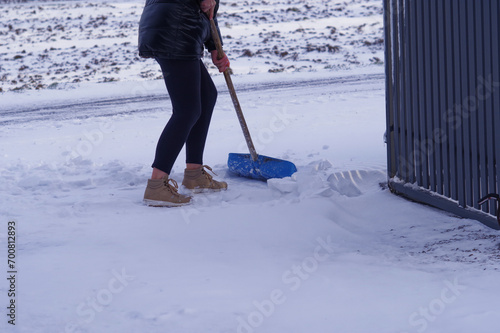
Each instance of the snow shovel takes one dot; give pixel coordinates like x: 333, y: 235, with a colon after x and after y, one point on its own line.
x: 249, y: 165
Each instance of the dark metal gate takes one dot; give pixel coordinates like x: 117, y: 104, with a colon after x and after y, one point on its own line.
x: 443, y: 103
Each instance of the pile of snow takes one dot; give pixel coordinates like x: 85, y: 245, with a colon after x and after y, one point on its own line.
x: 57, y: 44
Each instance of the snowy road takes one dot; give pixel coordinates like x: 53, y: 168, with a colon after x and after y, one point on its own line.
x: 328, y: 250
x: 140, y: 101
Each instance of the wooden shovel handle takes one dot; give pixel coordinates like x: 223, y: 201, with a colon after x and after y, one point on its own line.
x: 232, y: 92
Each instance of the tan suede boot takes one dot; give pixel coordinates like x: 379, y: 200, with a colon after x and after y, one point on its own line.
x: 199, y: 180
x: 163, y: 193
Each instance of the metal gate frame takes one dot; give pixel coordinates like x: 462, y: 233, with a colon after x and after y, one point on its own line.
x: 443, y: 104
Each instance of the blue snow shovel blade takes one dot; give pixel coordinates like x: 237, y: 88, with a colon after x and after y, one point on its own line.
x: 264, y: 168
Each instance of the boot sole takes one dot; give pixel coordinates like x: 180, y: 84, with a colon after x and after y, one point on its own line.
x: 156, y: 203
x: 199, y: 190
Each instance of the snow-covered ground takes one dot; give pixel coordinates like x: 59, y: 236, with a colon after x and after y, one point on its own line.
x: 327, y: 250
x: 55, y: 44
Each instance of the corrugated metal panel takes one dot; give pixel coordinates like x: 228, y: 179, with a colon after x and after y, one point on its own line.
x: 443, y: 103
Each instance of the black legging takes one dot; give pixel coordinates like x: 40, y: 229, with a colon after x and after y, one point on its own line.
x: 193, y: 95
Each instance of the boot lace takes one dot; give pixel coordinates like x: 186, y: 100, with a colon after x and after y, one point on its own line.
x: 171, y: 184
x: 206, y: 174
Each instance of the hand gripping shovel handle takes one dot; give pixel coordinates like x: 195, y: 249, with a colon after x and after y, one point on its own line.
x: 232, y: 92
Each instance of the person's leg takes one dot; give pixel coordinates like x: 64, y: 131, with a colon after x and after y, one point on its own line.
x: 195, y: 176
x: 195, y: 143
x: 182, y: 79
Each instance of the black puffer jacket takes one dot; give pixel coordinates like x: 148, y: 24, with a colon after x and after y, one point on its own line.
x: 174, y: 29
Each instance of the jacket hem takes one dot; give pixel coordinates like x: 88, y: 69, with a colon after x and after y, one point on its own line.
x: 170, y: 56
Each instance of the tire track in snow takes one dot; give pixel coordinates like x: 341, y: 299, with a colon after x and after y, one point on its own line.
x: 107, y: 107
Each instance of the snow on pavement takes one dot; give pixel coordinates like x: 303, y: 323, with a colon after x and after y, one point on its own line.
x: 327, y: 250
